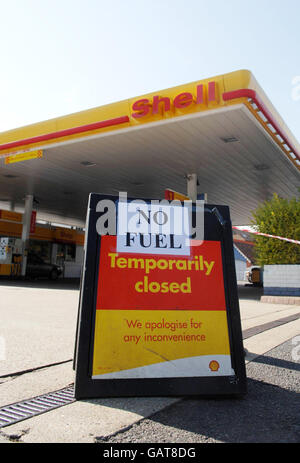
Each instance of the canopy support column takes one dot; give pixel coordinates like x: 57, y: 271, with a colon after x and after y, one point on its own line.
x: 192, y: 186
x: 26, y: 231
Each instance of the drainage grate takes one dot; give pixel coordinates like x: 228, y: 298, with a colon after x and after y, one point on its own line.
x: 19, y: 411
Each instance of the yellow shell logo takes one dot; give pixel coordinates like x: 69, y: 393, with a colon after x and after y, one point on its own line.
x: 214, y: 365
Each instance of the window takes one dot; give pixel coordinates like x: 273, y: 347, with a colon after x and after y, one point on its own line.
x: 41, y: 249
x: 70, y: 252
x: 65, y: 253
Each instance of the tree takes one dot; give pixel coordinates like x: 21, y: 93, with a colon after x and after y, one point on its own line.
x: 280, y: 217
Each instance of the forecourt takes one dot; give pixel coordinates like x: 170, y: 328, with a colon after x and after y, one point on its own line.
x: 224, y: 129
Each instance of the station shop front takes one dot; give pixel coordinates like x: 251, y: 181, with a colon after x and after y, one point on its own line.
x: 64, y: 247
x: 53, y: 244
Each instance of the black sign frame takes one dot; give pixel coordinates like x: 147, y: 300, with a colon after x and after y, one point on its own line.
x: 217, y: 227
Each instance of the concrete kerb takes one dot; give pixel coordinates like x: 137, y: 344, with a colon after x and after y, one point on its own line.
x: 291, y: 300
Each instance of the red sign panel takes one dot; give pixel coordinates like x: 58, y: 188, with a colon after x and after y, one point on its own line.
x: 33, y: 222
x: 156, y: 282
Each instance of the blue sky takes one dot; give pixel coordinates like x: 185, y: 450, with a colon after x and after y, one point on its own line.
x: 62, y: 56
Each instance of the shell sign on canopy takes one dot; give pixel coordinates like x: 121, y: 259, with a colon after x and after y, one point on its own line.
x: 202, y: 97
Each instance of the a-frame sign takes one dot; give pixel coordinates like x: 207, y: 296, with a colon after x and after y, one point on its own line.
x: 159, y: 310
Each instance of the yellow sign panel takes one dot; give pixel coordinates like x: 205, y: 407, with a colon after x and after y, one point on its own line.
x: 63, y: 234
x: 144, y: 340
x: 11, y: 216
x: 24, y: 156
x: 172, y: 195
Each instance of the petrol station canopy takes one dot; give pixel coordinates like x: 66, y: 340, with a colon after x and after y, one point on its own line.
x: 223, y: 128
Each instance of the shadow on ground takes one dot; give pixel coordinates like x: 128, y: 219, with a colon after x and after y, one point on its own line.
x: 267, y: 414
x: 45, y: 283
x: 250, y: 292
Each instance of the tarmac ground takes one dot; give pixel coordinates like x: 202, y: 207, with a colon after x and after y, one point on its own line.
x: 37, y: 333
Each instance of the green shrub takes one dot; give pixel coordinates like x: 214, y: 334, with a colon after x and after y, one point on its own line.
x: 280, y: 217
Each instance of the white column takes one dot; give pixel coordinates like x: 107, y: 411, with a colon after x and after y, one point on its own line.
x: 203, y: 197
x: 192, y: 186
x: 26, y: 231
x: 54, y: 253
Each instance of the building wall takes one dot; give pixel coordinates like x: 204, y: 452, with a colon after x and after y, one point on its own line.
x: 73, y: 269
x: 240, y: 268
x: 281, y: 280
x: 240, y: 265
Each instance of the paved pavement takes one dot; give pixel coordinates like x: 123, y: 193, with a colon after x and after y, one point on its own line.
x: 269, y: 413
x: 38, y: 329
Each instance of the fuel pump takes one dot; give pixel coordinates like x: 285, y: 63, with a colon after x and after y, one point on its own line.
x: 10, y: 256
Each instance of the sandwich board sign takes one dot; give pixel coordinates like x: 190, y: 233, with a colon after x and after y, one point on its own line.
x: 158, y: 312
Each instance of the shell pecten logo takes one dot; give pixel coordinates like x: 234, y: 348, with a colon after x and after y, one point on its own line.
x: 214, y: 365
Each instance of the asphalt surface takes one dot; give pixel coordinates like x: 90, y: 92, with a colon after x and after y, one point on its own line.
x: 269, y: 413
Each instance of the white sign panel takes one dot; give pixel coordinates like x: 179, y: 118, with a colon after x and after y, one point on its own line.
x: 153, y: 229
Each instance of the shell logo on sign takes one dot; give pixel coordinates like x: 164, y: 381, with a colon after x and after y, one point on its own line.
x: 214, y: 365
